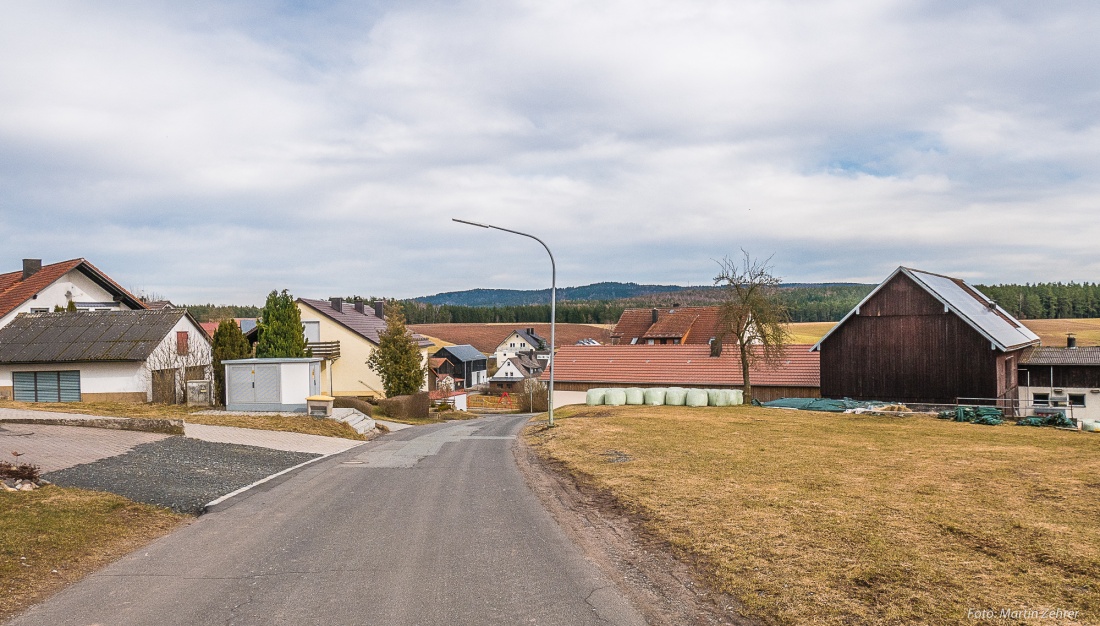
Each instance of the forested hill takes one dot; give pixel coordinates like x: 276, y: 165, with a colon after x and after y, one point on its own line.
x: 519, y: 297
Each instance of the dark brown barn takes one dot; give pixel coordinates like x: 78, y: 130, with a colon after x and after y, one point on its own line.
x: 924, y: 338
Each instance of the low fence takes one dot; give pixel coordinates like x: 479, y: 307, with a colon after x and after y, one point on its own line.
x: 504, y: 401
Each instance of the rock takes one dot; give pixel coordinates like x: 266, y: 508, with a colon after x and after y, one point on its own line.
x: 6, y: 487
x: 27, y: 487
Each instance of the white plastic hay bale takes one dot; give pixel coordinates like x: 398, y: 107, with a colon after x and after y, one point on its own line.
x: 594, y: 397
x: 1090, y: 426
x: 635, y: 395
x: 676, y: 396
x: 737, y: 396
x: 718, y: 397
x: 655, y: 396
x: 696, y: 397
x: 615, y: 397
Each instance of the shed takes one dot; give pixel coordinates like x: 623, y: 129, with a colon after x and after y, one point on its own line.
x: 467, y: 365
x: 271, y: 384
x: 924, y: 338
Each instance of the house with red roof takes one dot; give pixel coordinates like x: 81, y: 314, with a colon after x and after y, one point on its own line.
x: 796, y: 374
x: 681, y: 325
x: 41, y: 288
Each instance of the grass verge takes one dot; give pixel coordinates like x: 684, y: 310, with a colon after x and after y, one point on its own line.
x: 54, y: 536
x: 839, y: 519
x: 294, y: 424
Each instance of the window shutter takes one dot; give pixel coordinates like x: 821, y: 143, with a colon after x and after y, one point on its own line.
x: 181, y: 343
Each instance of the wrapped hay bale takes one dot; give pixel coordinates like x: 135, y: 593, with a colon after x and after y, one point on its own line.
x: 675, y: 396
x: 615, y: 397
x: 718, y: 397
x: 594, y: 397
x: 696, y: 397
x: 737, y: 396
x: 635, y: 395
x: 655, y: 396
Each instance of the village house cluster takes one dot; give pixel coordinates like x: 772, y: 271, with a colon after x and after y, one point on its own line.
x: 68, y: 332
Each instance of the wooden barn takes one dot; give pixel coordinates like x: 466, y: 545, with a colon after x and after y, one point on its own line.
x: 924, y: 338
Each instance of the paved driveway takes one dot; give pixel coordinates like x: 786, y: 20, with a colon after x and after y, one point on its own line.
x: 433, y: 525
x: 54, y: 448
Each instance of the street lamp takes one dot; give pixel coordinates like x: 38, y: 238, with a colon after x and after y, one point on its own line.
x: 553, y: 304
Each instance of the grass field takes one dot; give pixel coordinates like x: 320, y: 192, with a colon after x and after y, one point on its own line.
x: 848, y: 519
x: 294, y: 424
x: 53, y: 536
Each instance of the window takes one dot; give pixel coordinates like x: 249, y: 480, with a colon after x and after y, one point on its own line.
x: 522, y: 344
x: 1077, y: 399
x: 312, y: 330
x: 39, y: 310
x: 1040, y: 399
x: 512, y: 345
x: 182, y: 347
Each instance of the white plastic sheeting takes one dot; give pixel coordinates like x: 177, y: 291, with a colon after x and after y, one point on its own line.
x: 594, y: 397
x: 655, y: 396
x: 675, y: 396
x: 696, y: 397
x: 635, y: 395
x: 615, y: 397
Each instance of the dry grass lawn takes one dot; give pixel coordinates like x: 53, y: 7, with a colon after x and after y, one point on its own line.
x: 849, y: 519
x: 1053, y: 332
x: 294, y: 424
x: 54, y: 536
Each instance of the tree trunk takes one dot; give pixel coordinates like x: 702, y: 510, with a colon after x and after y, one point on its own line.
x: 745, y: 371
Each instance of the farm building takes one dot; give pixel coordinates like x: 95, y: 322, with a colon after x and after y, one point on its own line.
x: 580, y: 368
x: 464, y: 364
x: 921, y: 337
x: 108, y: 356
x: 1062, y: 378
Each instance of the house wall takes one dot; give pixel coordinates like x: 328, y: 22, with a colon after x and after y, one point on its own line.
x: 903, y: 346
x: 349, y: 374
x: 165, y: 356
x: 506, y: 350
x: 99, y: 382
x: 1082, y: 380
x: 82, y: 288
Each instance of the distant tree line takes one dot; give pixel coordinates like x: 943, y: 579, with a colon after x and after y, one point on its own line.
x: 218, y: 312
x: 1047, y: 300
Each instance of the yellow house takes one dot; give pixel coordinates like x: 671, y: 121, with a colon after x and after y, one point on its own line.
x: 344, y: 334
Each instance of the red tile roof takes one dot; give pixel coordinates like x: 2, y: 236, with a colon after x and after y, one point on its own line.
x: 681, y: 365
x: 692, y: 325
x: 14, y: 291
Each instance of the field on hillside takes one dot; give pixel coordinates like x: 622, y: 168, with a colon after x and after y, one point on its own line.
x: 851, y: 519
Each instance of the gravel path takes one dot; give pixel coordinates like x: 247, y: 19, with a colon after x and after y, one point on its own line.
x: 179, y: 473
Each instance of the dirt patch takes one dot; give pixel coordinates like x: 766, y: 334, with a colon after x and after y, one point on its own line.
x: 666, y: 590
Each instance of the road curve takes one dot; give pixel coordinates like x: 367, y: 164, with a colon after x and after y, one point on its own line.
x: 430, y: 525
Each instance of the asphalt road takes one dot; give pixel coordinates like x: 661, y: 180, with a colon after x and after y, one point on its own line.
x: 429, y: 525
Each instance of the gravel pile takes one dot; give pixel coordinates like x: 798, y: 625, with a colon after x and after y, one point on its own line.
x: 179, y: 473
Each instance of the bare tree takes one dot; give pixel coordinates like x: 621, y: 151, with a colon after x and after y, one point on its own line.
x: 752, y: 314
x: 169, y: 367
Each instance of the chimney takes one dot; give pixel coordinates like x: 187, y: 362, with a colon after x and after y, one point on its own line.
x: 530, y: 331
x: 360, y: 307
x: 380, y: 309
x: 31, y: 267
x: 716, y: 347
x: 654, y: 316
x: 1071, y: 341
x: 337, y: 304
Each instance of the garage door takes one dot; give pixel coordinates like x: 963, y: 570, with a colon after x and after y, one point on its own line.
x: 63, y: 386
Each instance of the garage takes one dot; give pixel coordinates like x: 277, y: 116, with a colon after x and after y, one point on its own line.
x: 58, y: 386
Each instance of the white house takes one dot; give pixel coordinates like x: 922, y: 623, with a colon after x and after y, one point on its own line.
x: 41, y: 288
x: 510, y: 376
x: 117, y: 356
x: 518, y: 342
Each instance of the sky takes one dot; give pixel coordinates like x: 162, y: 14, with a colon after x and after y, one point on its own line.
x: 214, y: 151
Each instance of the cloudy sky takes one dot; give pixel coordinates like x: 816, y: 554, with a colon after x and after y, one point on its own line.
x: 215, y: 151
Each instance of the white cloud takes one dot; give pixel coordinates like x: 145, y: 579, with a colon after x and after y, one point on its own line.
x: 218, y: 152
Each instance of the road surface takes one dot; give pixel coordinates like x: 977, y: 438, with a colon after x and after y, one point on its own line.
x: 429, y: 525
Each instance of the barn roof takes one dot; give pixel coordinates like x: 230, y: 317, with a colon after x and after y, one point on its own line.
x: 1005, y: 332
x: 86, y: 336
x: 681, y: 365
x: 1084, y: 355
x: 464, y: 353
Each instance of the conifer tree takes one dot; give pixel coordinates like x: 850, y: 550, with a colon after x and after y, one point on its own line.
x: 280, y: 329
x: 396, y: 360
x: 229, y: 343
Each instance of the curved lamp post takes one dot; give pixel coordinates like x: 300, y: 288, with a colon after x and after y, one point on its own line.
x: 553, y: 305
